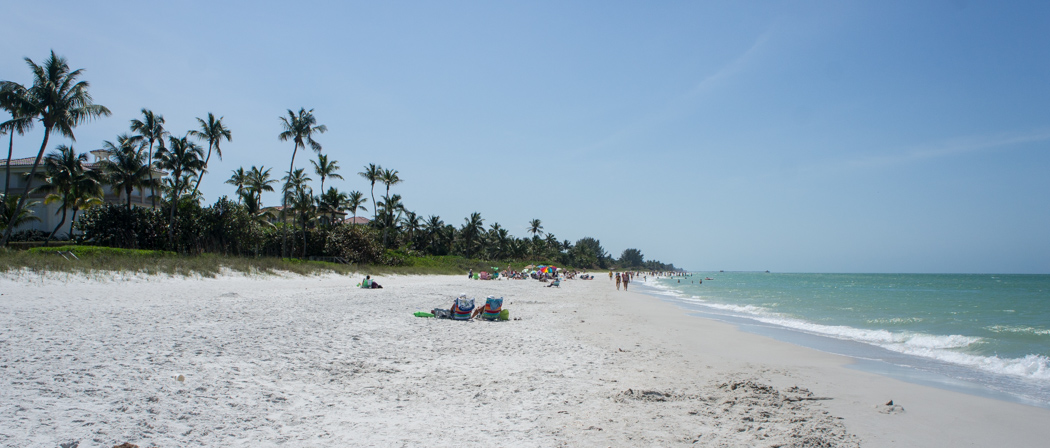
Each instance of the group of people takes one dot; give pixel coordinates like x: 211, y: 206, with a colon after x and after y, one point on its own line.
x: 624, y: 278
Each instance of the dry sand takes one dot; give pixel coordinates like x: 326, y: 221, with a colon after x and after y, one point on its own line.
x: 294, y: 361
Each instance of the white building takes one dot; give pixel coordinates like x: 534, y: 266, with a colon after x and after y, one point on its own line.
x: 50, y: 214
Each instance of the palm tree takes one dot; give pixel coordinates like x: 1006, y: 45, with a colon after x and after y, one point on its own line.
x: 182, y: 159
x: 61, y: 103
x: 332, y: 202
x: 535, y: 227
x: 259, y: 181
x: 67, y: 182
x: 325, y: 169
x: 373, y: 173
x: 13, y: 100
x: 150, y: 129
x: 126, y: 167
x: 305, y: 206
x: 214, y: 132
x: 412, y: 225
x: 471, y: 229
x: 299, y: 128
x: 83, y: 200
x: 14, y: 220
x: 297, y: 181
x: 239, y: 179
x: 389, y: 177
x: 355, y: 201
x: 433, y: 227
x: 390, y: 205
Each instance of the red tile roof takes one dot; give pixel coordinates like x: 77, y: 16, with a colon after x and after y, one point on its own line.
x: 27, y: 161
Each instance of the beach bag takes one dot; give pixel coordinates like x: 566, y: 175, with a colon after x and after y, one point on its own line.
x: 504, y: 315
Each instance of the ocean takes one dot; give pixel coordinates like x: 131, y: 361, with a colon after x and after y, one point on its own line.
x: 983, y: 334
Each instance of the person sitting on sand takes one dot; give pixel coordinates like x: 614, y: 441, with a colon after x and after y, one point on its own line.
x: 491, y: 310
x: 462, y: 308
x: 368, y: 283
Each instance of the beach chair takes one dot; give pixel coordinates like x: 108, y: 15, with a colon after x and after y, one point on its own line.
x: 492, y: 308
x: 462, y: 309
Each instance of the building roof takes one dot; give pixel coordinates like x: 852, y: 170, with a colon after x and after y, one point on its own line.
x: 356, y: 220
x: 26, y: 161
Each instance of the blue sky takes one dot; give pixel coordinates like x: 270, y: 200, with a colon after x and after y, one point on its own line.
x: 891, y: 136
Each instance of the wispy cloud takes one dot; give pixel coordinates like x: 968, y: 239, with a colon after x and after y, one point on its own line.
x: 678, y: 105
x: 948, y: 148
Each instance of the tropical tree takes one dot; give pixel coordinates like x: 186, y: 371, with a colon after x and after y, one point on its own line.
x: 326, y: 169
x: 15, y: 218
x: 239, y: 179
x: 470, y: 232
x: 432, y: 226
x: 355, y: 201
x: 373, y: 173
x: 389, y: 205
x: 299, y: 128
x: 259, y: 181
x: 389, y: 177
x: 332, y: 202
x: 535, y: 227
x: 150, y: 129
x: 412, y: 224
x: 632, y: 258
x: 13, y: 100
x: 297, y: 181
x: 214, y: 131
x: 125, y: 166
x: 305, y: 206
x: 67, y: 182
x: 182, y: 158
x: 61, y: 103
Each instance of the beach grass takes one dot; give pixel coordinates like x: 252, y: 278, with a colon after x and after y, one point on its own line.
x: 91, y: 259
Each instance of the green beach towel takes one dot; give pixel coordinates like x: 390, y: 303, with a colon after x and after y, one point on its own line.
x: 422, y: 314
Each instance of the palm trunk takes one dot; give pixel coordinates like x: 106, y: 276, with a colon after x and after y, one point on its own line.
x: 60, y: 222
x: 201, y: 174
x: 284, y: 204
x: 25, y: 194
x: 375, y: 210
x: 152, y: 189
x: 72, y: 221
x: 7, y: 175
x: 171, y: 215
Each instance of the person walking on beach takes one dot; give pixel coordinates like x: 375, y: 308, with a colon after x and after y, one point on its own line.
x: 626, y: 280
x: 617, y: 281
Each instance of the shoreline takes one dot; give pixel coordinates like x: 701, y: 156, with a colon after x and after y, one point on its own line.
x: 315, y: 361
x: 931, y: 416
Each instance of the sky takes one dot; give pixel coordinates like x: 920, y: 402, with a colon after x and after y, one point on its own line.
x: 837, y: 136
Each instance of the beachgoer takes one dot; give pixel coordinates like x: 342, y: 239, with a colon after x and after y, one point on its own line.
x: 617, y: 281
x: 462, y: 308
x: 626, y: 280
x: 368, y: 283
x: 470, y: 273
x: 491, y: 309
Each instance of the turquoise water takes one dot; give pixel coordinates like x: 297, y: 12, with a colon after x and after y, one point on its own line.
x: 989, y: 329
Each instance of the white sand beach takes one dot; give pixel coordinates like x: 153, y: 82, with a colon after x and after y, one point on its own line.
x: 95, y: 361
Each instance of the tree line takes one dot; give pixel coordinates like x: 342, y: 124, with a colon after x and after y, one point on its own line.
x: 306, y: 224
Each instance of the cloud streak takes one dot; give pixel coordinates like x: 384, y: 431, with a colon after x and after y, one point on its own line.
x: 948, y: 148
x: 680, y: 104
